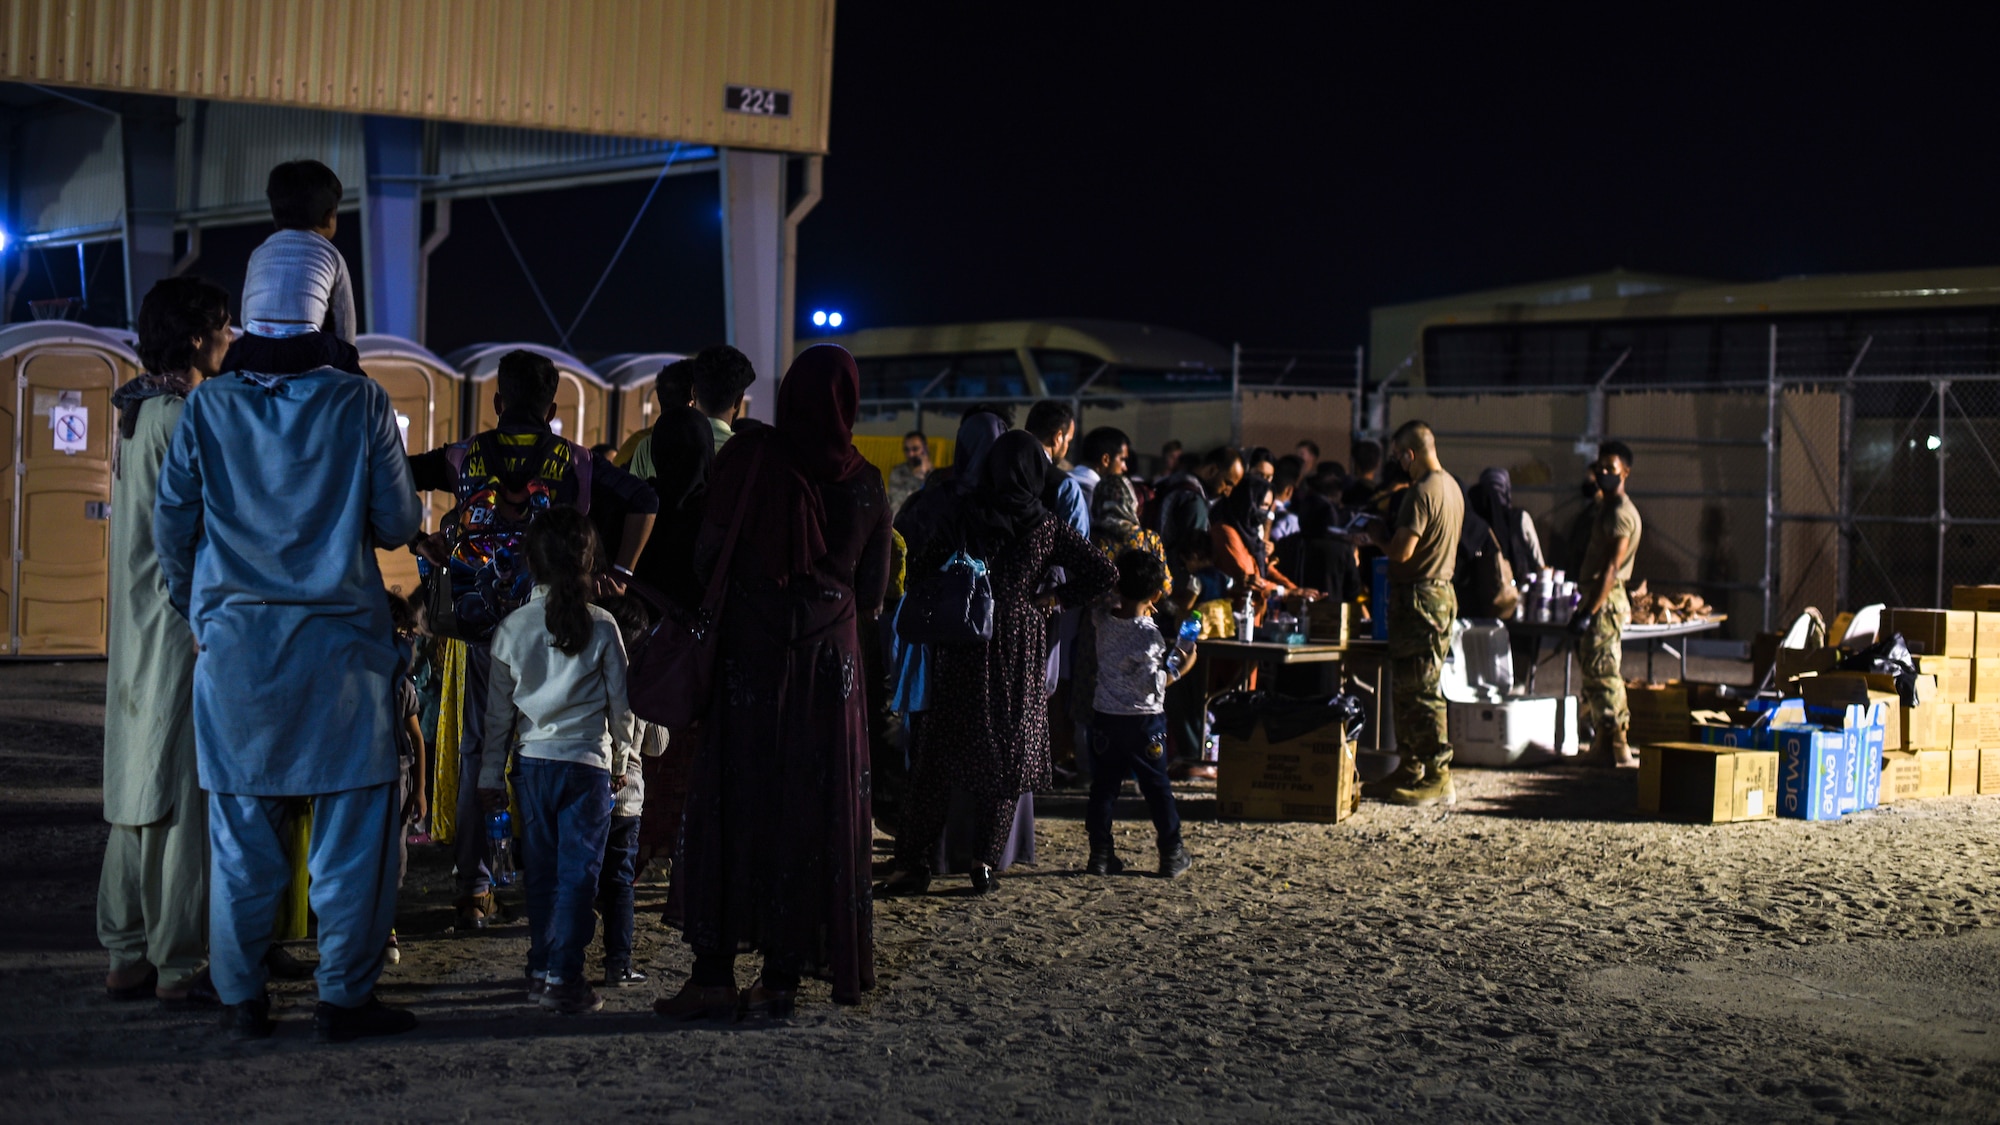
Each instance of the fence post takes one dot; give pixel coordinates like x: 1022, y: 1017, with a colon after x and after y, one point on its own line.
x: 1771, y: 483
x: 1236, y: 395
x: 1943, y: 516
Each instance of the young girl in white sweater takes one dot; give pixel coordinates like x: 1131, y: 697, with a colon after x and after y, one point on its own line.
x: 556, y: 701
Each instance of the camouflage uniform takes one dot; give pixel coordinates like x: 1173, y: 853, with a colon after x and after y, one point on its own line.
x: 1603, y: 685
x: 1420, y: 619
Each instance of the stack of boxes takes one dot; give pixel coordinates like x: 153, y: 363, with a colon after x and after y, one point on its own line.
x: 1951, y: 742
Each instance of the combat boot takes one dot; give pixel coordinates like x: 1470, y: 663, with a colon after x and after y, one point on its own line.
x: 1435, y: 789
x: 1409, y: 775
x: 1619, y: 754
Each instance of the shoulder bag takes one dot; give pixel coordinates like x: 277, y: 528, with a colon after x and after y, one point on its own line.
x: 953, y: 606
x: 668, y: 681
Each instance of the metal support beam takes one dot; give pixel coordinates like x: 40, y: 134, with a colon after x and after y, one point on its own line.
x: 392, y: 217
x: 1771, y: 392
x: 1943, y: 513
x: 146, y: 134
x: 754, y: 253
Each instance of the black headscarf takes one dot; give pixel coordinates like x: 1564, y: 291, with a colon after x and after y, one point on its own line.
x: 1491, y: 500
x: 936, y: 505
x: 1007, y: 503
x: 683, y: 449
x: 1316, y: 513
x: 1243, y: 509
x: 683, y: 446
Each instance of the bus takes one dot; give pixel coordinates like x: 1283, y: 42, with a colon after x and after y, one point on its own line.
x: 1154, y: 383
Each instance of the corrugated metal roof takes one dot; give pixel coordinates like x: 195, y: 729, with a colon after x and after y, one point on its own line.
x: 77, y: 186
x: 226, y: 152
x: 635, y: 68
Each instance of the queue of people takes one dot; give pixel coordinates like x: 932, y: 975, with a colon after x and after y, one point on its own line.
x: 258, y: 666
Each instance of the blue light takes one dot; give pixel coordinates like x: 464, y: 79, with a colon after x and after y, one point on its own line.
x: 833, y: 320
x: 819, y: 318
x: 3, y: 240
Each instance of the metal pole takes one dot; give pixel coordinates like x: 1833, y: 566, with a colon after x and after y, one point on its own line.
x: 1360, y: 392
x: 1236, y: 394
x: 1943, y: 516
x: 1844, y: 549
x: 1771, y: 483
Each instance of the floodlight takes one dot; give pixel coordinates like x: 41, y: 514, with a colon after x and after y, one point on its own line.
x: 819, y: 319
x: 833, y: 320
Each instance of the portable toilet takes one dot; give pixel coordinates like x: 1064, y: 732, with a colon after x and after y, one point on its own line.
x: 631, y: 375
x: 55, y: 507
x: 424, y: 390
x: 583, y: 397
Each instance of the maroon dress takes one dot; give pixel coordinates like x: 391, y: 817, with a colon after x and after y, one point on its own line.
x: 774, y: 853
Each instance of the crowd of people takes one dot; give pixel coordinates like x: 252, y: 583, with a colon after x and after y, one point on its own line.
x: 277, y: 721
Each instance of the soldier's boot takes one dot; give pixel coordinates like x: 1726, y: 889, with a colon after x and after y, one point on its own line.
x: 1435, y: 789
x: 1406, y: 776
x: 1620, y: 754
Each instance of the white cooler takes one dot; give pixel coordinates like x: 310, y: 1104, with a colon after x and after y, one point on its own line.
x: 1488, y: 726
x: 1511, y: 732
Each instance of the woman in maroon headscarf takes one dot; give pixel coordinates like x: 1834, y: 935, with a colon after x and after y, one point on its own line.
x: 774, y: 854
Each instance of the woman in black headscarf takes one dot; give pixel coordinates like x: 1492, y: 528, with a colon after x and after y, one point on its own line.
x: 1236, y: 524
x: 683, y: 448
x: 1492, y: 500
x: 987, y: 733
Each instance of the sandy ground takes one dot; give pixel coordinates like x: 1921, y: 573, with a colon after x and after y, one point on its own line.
x: 1535, y: 954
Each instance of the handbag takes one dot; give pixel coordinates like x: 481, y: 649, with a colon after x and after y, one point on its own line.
x: 668, y: 681
x: 911, y: 674
x: 954, y: 606
x: 1500, y: 577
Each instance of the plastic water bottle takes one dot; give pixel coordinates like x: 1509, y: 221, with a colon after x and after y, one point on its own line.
x: 500, y: 849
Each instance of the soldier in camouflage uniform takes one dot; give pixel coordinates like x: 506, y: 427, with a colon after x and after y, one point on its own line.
x: 1422, y: 548
x: 1601, y: 616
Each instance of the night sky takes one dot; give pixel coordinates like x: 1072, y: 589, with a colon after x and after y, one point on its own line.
x: 1267, y: 178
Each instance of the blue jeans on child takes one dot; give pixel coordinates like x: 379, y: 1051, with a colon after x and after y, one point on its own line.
x: 1132, y: 746
x: 614, y: 892
x: 565, y: 817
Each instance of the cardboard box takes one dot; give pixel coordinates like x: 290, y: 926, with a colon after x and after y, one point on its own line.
x: 1707, y: 784
x: 1902, y: 776
x: 1816, y: 773
x: 1954, y: 677
x: 1660, y: 713
x: 1989, y: 724
x: 1828, y: 696
x: 1927, y: 726
x: 1983, y: 598
x: 1964, y: 772
x: 1329, y: 621
x: 1985, y: 634
x: 1934, y: 632
x: 1966, y: 719
x: 1986, y: 676
x: 1312, y: 778
x: 1936, y: 773
x: 1796, y: 662
x: 1989, y: 771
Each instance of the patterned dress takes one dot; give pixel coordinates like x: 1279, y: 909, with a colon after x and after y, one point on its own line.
x: 987, y: 733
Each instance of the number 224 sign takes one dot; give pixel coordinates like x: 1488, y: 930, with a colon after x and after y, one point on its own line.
x: 757, y: 101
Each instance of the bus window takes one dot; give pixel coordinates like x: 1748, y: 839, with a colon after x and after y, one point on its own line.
x: 985, y: 375
x: 1064, y: 372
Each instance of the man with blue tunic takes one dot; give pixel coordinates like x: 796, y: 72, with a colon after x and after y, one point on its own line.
x: 283, y: 476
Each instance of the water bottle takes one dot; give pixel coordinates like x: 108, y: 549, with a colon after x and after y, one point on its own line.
x: 500, y: 849
x: 1191, y: 629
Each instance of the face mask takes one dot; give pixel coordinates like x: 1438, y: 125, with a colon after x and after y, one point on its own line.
x: 1607, y: 482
